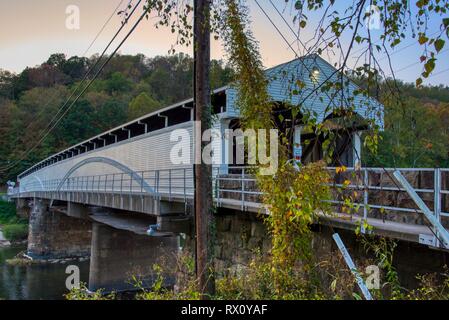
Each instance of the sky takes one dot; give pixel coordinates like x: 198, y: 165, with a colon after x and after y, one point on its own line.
x: 31, y: 30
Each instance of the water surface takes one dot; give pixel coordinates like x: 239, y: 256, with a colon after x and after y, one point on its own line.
x: 34, y: 282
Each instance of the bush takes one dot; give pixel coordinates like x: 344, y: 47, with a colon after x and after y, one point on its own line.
x: 15, y: 231
x: 7, y: 212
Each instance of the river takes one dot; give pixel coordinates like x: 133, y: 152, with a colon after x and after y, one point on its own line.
x: 34, y: 282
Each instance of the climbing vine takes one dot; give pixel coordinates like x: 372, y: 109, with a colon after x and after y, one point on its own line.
x: 292, y: 197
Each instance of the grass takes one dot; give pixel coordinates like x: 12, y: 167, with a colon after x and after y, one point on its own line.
x: 13, y: 227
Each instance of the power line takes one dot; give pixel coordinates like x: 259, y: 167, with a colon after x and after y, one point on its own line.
x: 103, y: 27
x: 414, y: 63
x: 80, y: 84
x: 438, y: 73
x: 43, y: 109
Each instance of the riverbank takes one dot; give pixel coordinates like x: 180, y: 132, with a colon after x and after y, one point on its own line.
x: 13, y: 229
x: 3, y: 241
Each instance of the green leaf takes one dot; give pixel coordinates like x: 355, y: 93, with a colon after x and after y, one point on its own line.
x: 418, y: 82
x: 422, y: 39
x: 439, y: 44
x: 446, y: 22
x: 356, y: 296
x: 429, y: 66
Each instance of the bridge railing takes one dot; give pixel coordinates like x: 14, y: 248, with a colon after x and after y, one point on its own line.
x: 176, y: 182
x: 366, y: 193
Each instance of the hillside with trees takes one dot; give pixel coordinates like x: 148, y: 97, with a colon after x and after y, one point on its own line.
x: 127, y: 88
x: 416, y: 132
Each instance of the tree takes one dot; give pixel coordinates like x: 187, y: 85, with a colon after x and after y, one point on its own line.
x: 57, y: 60
x: 117, y: 83
x: 415, y: 135
x: 142, y: 104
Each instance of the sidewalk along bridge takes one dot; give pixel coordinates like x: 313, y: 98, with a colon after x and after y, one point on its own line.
x: 104, y: 196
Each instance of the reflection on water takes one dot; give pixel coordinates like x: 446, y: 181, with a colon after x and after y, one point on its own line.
x: 34, y: 281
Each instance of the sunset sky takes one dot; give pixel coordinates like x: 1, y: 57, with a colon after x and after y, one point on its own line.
x: 31, y: 30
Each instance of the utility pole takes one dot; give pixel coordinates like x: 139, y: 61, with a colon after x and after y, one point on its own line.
x: 203, y: 172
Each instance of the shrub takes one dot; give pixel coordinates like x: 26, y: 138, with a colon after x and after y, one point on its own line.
x: 17, y: 231
x: 7, y: 212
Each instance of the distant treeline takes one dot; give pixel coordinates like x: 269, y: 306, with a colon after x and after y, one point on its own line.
x: 416, y: 129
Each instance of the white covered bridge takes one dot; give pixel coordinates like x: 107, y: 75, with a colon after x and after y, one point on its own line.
x: 129, y: 167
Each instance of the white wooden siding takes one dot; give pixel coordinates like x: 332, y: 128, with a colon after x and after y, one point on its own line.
x: 282, y: 81
x: 142, y: 153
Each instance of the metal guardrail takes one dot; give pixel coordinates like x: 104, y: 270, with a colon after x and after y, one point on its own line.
x: 165, y: 182
x: 359, y: 181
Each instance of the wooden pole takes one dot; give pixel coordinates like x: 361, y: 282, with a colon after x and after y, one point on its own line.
x: 203, y: 172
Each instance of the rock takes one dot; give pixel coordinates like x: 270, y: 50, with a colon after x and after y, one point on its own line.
x: 4, y: 243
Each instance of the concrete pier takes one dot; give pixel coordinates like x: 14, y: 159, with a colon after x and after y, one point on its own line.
x: 55, y: 235
x: 118, y: 255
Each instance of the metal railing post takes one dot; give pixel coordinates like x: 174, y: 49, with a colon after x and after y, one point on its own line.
x: 437, y: 202
x: 217, y: 187
x: 169, y: 184
x: 365, y: 199
x: 444, y: 234
x: 184, y: 184
x: 243, y: 187
x: 141, y: 184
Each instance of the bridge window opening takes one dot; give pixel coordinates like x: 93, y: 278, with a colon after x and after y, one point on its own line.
x: 218, y: 101
x: 345, y: 143
x: 177, y: 115
x: 155, y: 123
x: 144, y: 125
x: 136, y: 129
x: 108, y: 139
x: 90, y: 146
x: 189, y: 106
x: 121, y: 134
x: 287, y: 122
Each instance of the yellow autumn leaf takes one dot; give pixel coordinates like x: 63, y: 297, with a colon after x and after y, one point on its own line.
x: 340, y: 169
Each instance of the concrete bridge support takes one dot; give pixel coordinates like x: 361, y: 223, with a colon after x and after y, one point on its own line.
x: 22, y: 208
x: 55, y: 235
x: 117, y: 255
